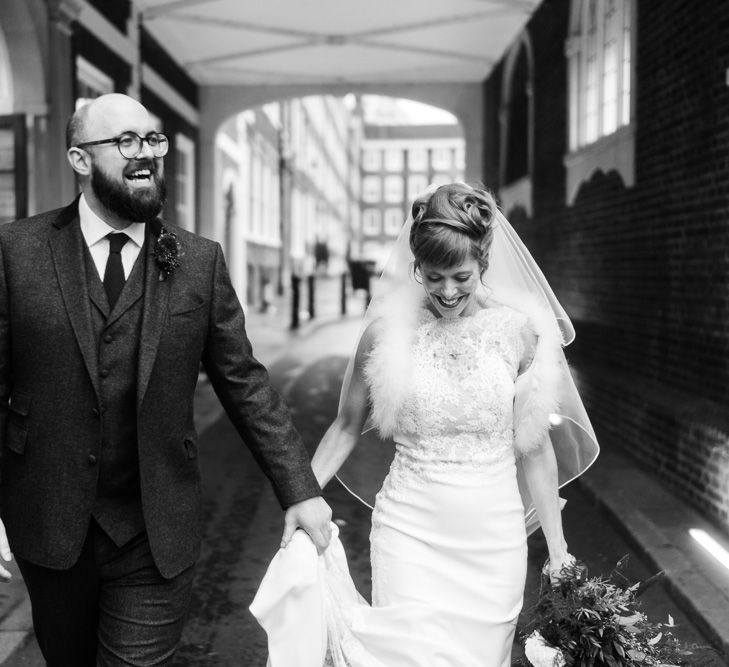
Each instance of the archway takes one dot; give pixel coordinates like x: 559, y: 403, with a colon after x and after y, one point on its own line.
x: 314, y: 156
x: 218, y: 103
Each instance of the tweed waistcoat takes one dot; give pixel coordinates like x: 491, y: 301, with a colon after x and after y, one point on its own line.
x: 118, y: 505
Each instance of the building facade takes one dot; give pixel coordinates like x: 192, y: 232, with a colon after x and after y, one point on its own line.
x: 398, y: 163
x: 608, y: 132
x: 290, y: 192
x: 56, y: 54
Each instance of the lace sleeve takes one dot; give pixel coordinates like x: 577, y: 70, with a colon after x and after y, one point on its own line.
x: 520, y: 342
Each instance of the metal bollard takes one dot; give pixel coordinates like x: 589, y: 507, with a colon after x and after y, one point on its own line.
x: 312, y: 297
x: 295, y: 296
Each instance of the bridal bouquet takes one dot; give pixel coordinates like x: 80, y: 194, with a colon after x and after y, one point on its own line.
x: 597, y: 622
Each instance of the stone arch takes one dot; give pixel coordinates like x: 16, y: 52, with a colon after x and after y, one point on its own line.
x: 6, y: 78
x: 218, y: 103
x: 23, y: 28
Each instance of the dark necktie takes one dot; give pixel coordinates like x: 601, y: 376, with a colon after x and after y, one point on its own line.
x: 114, y: 273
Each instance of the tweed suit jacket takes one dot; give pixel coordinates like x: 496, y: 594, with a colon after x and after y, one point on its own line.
x: 50, y: 410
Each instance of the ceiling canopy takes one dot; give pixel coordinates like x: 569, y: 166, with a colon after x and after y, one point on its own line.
x: 283, y: 42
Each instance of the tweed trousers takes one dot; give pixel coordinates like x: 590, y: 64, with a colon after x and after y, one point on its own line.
x: 112, y: 608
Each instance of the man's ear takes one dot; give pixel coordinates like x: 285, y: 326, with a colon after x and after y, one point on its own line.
x: 79, y: 160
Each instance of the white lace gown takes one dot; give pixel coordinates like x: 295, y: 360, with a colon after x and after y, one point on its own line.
x: 448, y: 541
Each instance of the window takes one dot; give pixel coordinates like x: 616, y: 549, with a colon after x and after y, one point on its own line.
x: 371, y: 221
x: 600, y: 55
x: 371, y: 159
x: 418, y: 159
x: 460, y: 158
x: 254, y: 216
x: 13, y: 168
x: 442, y: 159
x: 91, y: 82
x: 394, y: 159
x: 371, y: 189
x: 394, y: 219
x: 600, y: 68
x: 416, y: 185
x: 393, y: 189
x: 185, y: 182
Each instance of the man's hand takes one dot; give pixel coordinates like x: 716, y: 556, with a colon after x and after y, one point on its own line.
x: 4, y: 554
x: 314, y: 516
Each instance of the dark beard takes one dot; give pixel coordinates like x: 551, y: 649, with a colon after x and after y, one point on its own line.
x: 135, y: 207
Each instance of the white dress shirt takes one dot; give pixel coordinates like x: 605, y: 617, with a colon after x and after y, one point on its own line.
x: 94, y: 230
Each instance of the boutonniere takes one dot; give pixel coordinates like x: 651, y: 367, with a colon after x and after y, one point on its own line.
x: 167, y: 252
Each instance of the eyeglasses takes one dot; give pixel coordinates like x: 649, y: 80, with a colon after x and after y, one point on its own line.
x: 130, y: 144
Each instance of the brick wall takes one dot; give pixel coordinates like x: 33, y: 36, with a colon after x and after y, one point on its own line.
x: 644, y: 271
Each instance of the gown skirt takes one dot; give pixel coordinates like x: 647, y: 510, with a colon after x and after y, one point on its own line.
x: 449, y: 560
x: 449, y: 556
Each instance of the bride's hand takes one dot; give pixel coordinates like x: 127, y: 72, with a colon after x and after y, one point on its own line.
x: 563, y: 568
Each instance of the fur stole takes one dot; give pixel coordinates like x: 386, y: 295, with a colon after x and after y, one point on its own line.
x: 388, y: 366
x: 537, y: 389
x: 387, y: 370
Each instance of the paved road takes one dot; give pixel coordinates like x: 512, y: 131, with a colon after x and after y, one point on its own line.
x: 244, y: 522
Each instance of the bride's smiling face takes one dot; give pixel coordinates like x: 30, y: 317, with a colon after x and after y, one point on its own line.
x: 452, y: 291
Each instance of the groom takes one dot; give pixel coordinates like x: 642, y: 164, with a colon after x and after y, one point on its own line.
x: 105, y: 316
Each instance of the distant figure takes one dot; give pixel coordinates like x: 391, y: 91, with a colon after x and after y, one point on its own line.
x: 106, y: 313
x: 460, y: 363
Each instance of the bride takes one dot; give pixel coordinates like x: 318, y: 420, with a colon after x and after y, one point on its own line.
x: 460, y: 363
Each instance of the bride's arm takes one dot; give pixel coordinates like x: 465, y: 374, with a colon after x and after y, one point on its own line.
x: 342, y: 436
x: 540, y: 472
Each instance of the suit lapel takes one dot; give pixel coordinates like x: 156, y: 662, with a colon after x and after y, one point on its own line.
x: 154, y: 314
x: 67, y: 250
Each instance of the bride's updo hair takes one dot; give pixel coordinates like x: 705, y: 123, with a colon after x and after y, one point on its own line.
x: 453, y: 224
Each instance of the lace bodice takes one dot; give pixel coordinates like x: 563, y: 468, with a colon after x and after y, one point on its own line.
x: 460, y: 408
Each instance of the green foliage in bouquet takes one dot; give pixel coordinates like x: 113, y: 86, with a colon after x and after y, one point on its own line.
x: 597, y: 622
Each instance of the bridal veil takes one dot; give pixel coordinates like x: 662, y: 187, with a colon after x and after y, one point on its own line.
x: 547, y: 403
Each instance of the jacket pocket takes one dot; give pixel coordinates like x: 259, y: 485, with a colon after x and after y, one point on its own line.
x: 190, y: 448
x: 186, y: 307
x: 16, y: 428
x: 20, y: 404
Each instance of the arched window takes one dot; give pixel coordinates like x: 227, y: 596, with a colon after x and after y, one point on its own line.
x: 600, y: 61
x: 517, y: 127
x: 517, y: 146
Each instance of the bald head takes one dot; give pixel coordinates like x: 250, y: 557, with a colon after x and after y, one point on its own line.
x: 107, y: 116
